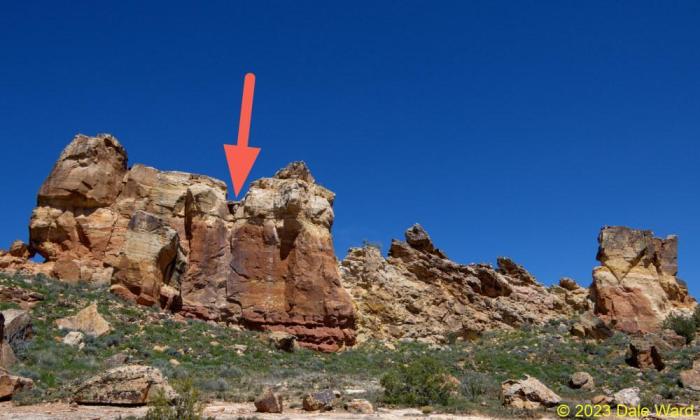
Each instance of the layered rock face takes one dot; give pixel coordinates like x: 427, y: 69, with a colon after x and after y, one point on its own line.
x: 418, y: 293
x: 172, y: 239
x: 285, y: 275
x: 635, y: 288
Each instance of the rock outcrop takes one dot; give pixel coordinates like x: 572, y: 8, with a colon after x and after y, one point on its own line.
x: 124, y: 385
x: 284, y: 272
x: 635, y: 288
x: 171, y: 239
x: 418, y: 293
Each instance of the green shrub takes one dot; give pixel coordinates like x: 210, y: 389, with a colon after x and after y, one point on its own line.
x: 684, y: 326
x: 185, y: 407
x: 477, y: 384
x: 422, y: 382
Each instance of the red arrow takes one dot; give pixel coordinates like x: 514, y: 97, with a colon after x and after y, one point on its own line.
x: 240, y: 157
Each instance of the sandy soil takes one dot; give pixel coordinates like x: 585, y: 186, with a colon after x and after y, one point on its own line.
x: 218, y: 410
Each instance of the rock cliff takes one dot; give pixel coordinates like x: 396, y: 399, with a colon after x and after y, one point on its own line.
x: 267, y: 262
x: 171, y: 239
x: 635, y: 288
x: 418, y: 293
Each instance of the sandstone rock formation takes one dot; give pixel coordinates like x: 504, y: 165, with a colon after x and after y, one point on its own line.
x: 418, y: 293
x: 171, y: 239
x: 635, y: 288
x: 284, y: 272
x: 124, y: 385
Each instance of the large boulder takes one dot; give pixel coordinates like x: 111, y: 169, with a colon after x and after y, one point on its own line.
x: 528, y: 393
x: 17, y: 326
x: 88, y: 321
x: 635, y: 288
x: 7, y: 355
x: 646, y: 352
x: 269, y: 402
x: 418, y: 293
x: 10, y: 384
x: 124, y: 385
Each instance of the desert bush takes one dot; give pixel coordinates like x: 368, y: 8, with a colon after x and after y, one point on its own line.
x: 476, y: 384
x: 185, y: 407
x: 422, y: 382
x: 684, y: 326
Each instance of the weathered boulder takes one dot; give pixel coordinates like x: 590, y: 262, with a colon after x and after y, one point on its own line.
x: 17, y: 326
x: 10, y: 384
x: 627, y: 396
x: 589, y: 325
x: 269, y: 402
x: 635, y: 288
x: 319, y: 401
x: 284, y: 272
x: 16, y: 258
x: 528, y: 393
x: 7, y: 355
x: 88, y: 321
x: 581, y: 380
x: 417, y: 293
x: 359, y: 406
x: 124, y: 385
x: 74, y: 339
x: 644, y: 353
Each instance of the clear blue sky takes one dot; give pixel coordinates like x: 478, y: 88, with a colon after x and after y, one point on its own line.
x: 505, y: 128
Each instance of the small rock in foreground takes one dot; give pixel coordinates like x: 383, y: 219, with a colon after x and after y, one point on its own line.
x: 269, y: 402
x: 319, y: 401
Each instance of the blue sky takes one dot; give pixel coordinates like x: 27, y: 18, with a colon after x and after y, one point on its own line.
x: 505, y: 128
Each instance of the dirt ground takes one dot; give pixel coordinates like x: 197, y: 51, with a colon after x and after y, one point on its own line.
x: 222, y: 411
x: 218, y: 410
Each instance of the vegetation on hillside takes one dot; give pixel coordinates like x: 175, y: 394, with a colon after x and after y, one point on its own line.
x: 227, y: 363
